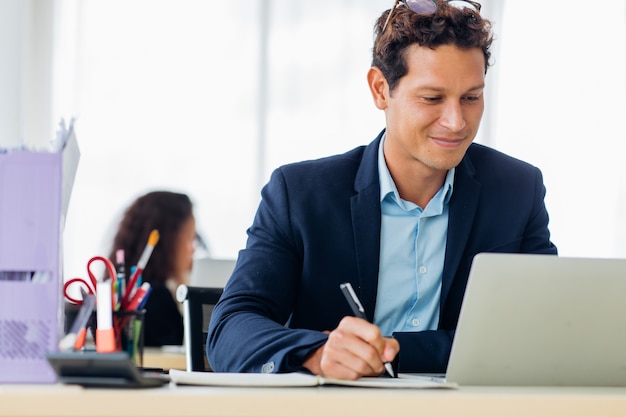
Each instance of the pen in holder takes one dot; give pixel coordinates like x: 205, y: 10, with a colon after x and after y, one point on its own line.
x: 129, y: 326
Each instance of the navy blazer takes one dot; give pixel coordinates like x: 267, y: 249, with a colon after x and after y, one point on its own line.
x: 318, y: 225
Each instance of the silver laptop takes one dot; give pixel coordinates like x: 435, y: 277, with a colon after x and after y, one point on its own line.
x: 542, y: 320
x: 211, y: 272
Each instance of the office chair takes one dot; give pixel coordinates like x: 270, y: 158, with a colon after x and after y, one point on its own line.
x: 198, y: 303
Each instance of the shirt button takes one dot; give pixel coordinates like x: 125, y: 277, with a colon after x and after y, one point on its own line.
x: 415, y: 322
x: 423, y: 269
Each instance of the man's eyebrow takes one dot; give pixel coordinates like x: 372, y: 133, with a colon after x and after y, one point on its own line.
x: 441, y: 89
x: 478, y: 87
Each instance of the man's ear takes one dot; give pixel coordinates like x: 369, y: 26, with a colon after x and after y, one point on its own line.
x: 378, y: 87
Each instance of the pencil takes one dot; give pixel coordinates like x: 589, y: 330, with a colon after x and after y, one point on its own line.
x: 141, y: 264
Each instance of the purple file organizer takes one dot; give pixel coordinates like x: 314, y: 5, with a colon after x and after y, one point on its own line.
x: 31, y: 314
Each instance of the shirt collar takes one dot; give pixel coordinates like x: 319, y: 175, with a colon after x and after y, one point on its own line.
x: 388, y: 187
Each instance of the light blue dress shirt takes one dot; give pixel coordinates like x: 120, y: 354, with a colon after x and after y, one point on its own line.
x: 412, y: 250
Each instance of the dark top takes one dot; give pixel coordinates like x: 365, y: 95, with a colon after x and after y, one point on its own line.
x: 163, y: 321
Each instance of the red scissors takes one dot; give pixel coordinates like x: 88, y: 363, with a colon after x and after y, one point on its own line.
x: 92, y: 282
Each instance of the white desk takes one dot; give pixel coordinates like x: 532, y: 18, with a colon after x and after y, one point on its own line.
x: 172, y: 400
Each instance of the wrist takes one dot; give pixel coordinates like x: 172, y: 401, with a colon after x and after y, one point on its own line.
x: 313, y: 361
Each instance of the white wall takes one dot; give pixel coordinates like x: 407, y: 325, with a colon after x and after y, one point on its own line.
x: 26, y: 38
x: 177, y: 95
x: 10, y: 47
x: 561, y: 104
x: 187, y: 102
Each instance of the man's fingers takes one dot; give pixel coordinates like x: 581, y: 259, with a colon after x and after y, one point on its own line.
x: 392, y: 347
x: 357, y: 346
x: 349, y: 357
x: 364, y: 330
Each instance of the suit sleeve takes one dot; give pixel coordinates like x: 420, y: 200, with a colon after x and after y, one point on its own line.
x: 247, y: 330
x: 536, y: 237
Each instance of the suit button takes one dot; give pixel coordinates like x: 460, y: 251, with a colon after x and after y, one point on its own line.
x: 268, y: 367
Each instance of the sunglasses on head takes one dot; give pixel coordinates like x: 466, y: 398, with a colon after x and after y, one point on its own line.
x: 429, y: 7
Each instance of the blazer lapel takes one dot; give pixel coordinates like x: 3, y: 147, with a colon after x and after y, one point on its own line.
x: 365, y: 206
x: 463, y: 206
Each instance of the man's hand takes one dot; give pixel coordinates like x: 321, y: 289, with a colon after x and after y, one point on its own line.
x: 354, y: 349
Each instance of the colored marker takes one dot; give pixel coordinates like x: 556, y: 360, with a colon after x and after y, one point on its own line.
x: 105, y: 335
x: 120, y: 268
x: 138, y: 299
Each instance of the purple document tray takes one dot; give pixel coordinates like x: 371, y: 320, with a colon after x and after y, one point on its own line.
x: 30, y: 236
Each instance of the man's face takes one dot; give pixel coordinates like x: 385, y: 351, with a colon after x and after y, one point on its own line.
x: 433, y: 114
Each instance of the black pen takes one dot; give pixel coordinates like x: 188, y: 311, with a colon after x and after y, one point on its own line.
x: 359, y: 311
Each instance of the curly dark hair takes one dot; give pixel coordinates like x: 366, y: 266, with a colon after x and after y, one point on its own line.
x: 164, y: 211
x: 464, y: 28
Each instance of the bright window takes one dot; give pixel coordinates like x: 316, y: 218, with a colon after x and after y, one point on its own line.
x: 209, y: 97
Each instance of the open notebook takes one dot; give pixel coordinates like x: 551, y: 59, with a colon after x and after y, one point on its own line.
x: 542, y: 320
x: 225, y: 379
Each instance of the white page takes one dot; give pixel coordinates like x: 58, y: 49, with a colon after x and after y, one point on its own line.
x: 228, y: 379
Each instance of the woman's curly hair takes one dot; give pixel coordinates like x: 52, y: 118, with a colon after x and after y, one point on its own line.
x: 164, y: 211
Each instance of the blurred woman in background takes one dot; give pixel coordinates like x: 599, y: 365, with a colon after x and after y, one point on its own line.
x: 170, y: 263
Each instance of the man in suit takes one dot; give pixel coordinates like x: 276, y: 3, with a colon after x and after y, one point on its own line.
x: 400, y: 219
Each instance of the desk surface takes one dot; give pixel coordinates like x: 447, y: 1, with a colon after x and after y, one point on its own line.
x: 67, y: 401
x: 171, y: 357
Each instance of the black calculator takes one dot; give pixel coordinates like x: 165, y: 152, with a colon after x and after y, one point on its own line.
x: 110, y: 370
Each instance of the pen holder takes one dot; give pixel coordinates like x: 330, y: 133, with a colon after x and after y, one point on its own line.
x: 129, y: 333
